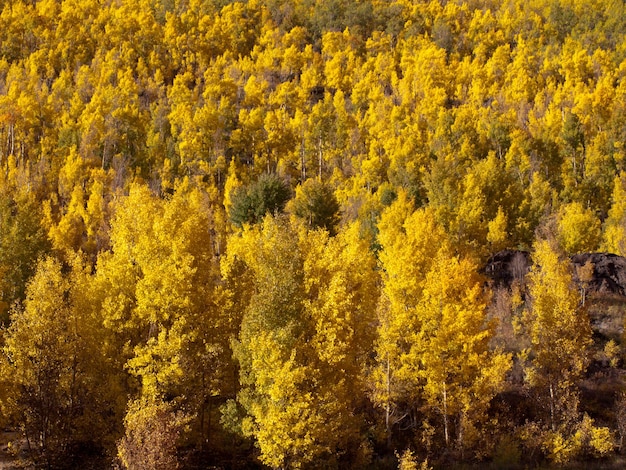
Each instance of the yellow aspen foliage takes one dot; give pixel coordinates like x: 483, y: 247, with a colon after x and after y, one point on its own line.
x: 578, y: 229
x: 286, y: 422
x: 521, y: 75
x: 449, y: 348
x: 68, y: 234
x: 97, y: 216
x: 255, y: 91
x: 279, y: 412
x: 409, y: 242
x: 55, y: 363
x: 118, y: 271
x: 113, y: 128
x: 177, y: 273
x: 280, y: 137
x: 597, y: 185
x: 74, y: 172
x: 152, y: 431
x: 536, y: 204
x: 341, y: 296
x: 23, y: 237
x: 497, y: 235
x: 303, y: 339
x: 432, y: 342
x: 340, y: 59
x: 407, y: 235
x: 182, y: 95
x: 160, y: 300
x: 78, y: 218
x: 230, y: 186
x: 425, y: 75
x: 559, y: 333
x: 517, y: 158
x: 614, y: 236
x: 407, y: 140
x: 470, y: 225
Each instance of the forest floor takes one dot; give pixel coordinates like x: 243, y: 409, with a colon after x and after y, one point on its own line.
x: 617, y: 462
x: 10, y: 459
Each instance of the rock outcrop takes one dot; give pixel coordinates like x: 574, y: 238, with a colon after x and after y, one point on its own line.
x: 608, y: 275
x: 609, y: 272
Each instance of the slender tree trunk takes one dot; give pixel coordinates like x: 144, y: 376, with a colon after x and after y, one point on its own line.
x: 208, y: 430
x: 320, y: 158
x: 387, y: 405
x: 552, y: 423
x: 462, y: 419
x: 445, y: 415
x: 202, y: 412
x: 302, y: 160
x: 11, y: 139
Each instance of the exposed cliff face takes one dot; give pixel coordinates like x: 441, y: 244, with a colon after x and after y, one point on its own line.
x: 608, y: 275
x: 609, y: 272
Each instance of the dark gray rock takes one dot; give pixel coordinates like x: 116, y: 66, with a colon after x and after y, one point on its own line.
x: 609, y: 270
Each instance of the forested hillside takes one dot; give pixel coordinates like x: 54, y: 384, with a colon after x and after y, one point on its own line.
x: 247, y: 234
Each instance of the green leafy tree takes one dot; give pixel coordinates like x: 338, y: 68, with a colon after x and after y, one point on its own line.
x: 316, y: 205
x: 250, y: 204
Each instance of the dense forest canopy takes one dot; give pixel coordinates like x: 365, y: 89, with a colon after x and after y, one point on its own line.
x: 253, y: 233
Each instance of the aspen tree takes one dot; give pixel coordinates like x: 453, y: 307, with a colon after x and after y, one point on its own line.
x: 279, y: 410
x: 63, y: 394
x: 559, y: 332
x: 450, y: 348
x: 578, y: 229
x: 160, y: 302
x: 22, y: 239
x: 433, y: 340
x: 407, y: 239
x: 614, y: 236
x: 302, y: 347
x: 341, y: 296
